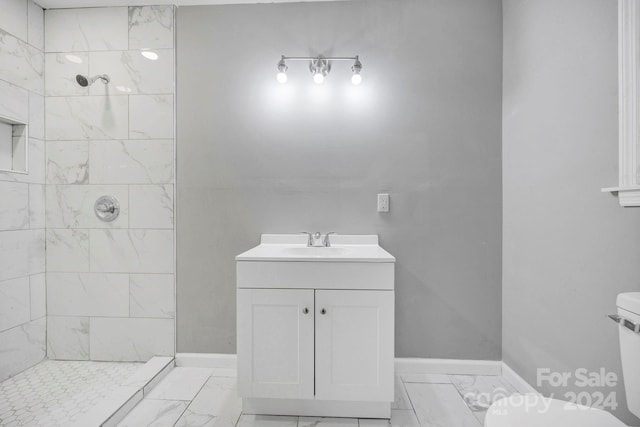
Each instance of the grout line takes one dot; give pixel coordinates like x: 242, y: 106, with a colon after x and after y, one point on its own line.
x: 473, y: 412
x: 191, y: 401
x: 413, y: 409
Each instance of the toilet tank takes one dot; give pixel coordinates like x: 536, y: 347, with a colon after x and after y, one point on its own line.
x: 629, y: 308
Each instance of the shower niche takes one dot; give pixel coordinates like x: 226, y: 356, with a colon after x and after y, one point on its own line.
x: 14, y: 140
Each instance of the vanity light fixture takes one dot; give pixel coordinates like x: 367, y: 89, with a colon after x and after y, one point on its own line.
x: 320, y: 66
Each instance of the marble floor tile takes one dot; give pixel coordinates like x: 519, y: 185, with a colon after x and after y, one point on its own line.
x: 438, y: 405
x: 267, y: 421
x: 370, y: 422
x: 181, y: 384
x: 480, y: 391
x: 211, y: 398
x: 401, y: 399
x: 193, y: 419
x: 154, y: 413
x: 431, y: 401
x: 480, y: 415
x: 399, y: 418
x: 232, y: 410
x: 426, y: 378
x: 404, y: 418
x: 327, y: 422
x: 225, y: 372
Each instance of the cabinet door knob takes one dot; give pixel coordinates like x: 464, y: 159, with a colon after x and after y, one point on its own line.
x: 305, y: 310
x: 323, y: 311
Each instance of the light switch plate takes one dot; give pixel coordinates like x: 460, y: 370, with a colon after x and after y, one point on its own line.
x: 383, y: 202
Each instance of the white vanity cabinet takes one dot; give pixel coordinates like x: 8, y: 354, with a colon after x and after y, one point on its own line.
x: 313, y: 347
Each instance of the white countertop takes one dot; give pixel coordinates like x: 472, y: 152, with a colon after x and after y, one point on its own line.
x: 293, y: 247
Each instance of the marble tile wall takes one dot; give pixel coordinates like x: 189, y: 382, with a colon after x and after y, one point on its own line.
x: 110, y: 289
x: 22, y: 196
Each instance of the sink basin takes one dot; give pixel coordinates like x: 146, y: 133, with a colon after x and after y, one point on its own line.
x: 293, y: 247
x: 317, y: 252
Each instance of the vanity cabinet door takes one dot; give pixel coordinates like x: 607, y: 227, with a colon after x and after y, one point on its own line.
x: 354, y: 345
x: 275, y: 343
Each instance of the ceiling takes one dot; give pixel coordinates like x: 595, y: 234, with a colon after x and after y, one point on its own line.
x: 61, y: 4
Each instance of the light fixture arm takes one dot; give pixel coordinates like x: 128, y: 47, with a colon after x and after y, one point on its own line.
x: 282, y: 65
x: 312, y: 58
x: 357, y: 65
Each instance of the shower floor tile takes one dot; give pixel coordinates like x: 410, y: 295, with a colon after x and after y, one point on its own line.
x: 57, y: 393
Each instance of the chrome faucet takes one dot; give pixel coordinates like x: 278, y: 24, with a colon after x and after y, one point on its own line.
x: 326, y: 242
x: 315, y: 241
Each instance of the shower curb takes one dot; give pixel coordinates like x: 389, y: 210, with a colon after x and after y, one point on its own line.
x: 113, y: 409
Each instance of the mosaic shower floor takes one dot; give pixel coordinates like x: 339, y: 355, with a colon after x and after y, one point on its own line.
x: 57, y: 393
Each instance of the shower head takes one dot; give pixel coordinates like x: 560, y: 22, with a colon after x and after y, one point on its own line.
x: 88, y: 81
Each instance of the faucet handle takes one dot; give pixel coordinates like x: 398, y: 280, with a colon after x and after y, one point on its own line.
x: 310, y: 237
x: 326, y: 242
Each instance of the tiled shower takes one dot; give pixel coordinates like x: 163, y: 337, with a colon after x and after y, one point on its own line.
x: 110, y: 284
x: 73, y: 287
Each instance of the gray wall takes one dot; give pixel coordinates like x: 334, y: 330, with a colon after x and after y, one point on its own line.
x: 258, y: 157
x: 568, y: 249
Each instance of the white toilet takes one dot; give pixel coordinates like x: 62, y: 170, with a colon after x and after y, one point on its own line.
x: 536, y: 411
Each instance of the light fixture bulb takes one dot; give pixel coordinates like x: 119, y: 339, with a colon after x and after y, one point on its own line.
x: 282, y: 77
x: 356, y: 78
x: 282, y: 70
x: 318, y: 78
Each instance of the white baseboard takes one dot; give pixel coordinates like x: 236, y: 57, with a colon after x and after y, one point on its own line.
x: 517, y: 381
x: 402, y: 364
x: 447, y: 366
x: 207, y: 360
